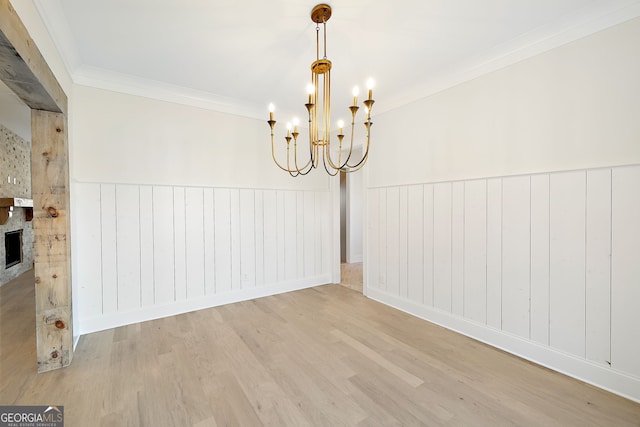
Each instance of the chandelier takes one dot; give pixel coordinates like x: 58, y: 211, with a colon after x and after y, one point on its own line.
x: 319, y: 112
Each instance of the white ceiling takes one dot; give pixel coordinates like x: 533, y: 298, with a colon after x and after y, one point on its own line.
x: 237, y: 56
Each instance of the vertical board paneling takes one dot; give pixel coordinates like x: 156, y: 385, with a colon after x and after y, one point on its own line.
x: 324, y: 198
x: 154, y: 246
x: 194, y: 228
x: 625, y: 270
x: 146, y: 246
x: 180, y: 243
x: 457, y: 248
x: 234, y: 200
x: 109, y: 248
x: 567, y: 265
x: 540, y: 258
x: 475, y: 251
x: 320, y: 224
x: 259, y: 224
x: 88, y: 250
x: 415, y: 243
x: 598, y: 266
x: 393, y: 240
x: 270, y: 238
x: 309, y: 235
x: 494, y: 253
x: 403, y: 241
x: 128, y: 244
x: 247, y: 239
x: 222, y: 205
x: 208, y: 214
x: 290, y: 232
x: 442, y: 246
x: 163, y: 250
x: 299, y: 234
x: 515, y: 255
x: 382, y: 278
x: 428, y: 244
x: 372, y: 260
x: 281, y: 237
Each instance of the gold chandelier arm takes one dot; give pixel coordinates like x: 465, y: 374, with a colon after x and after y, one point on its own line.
x: 365, y: 156
x: 292, y: 172
x: 273, y: 154
x: 295, y: 158
x: 335, y: 170
x: 340, y: 165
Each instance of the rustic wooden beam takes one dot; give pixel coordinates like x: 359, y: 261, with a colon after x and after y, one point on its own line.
x: 23, y: 68
x: 51, y: 229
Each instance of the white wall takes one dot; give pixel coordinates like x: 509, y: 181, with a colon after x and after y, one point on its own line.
x: 130, y: 139
x: 177, y: 208
x: 572, y: 107
x: 148, y: 251
x: 507, y: 215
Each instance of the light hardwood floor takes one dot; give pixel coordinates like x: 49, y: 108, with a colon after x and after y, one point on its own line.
x: 351, y: 276
x: 325, y: 356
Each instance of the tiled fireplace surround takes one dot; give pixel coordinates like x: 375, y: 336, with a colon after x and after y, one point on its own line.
x: 15, y: 181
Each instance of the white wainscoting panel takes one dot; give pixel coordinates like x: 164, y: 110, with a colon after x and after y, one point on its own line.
x: 457, y: 248
x: 442, y: 240
x: 516, y: 255
x: 429, y: 242
x: 128, y: 250
x: 545, y: 266
x: 540, y: 259
x: 415, y: 243
x: 567, y: 262
x: 475, y: 251
x: 494, y: 253
x: 598, y: 266
x: 625, y: 270
x: 403, y: 240
x: 144, y: 252
x: 393, y: 240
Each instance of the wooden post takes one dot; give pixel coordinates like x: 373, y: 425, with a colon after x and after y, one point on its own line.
x: 24, y: 70
x: 51, y: 226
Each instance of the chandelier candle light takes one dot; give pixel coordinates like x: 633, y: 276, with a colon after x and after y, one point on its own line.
x: 319, y: 111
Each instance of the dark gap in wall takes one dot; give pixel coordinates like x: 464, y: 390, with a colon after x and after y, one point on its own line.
x: 13, y: 248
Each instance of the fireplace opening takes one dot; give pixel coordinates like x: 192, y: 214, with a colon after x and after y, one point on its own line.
x: 13, y: 248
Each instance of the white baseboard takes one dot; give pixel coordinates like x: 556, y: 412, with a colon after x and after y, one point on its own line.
x: 607, y: 378
x: 115, y: 320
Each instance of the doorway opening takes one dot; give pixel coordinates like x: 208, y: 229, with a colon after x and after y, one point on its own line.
x: 351, y: 230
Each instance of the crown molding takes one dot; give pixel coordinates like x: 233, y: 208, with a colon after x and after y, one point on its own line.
x: 55, y: 22
x: 133, y: 85
x: 526, y: 46
x: 533, y: 43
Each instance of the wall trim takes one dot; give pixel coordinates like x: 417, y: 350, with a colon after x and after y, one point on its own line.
x: 533, y: 43
x: 528, y: 45
x: 515, y: 175
x: 598, y: 375
x: 114, y: 320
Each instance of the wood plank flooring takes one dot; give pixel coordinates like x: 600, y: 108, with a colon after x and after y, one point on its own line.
x: 325, y: 356
x: 351, y: 276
